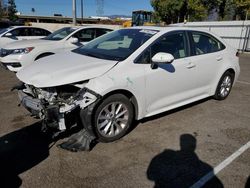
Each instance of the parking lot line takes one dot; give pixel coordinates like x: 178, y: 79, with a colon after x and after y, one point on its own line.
x: 221, y: 166
x: 243, y: 82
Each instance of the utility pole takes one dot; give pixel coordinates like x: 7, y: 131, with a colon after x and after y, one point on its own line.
x: 82, y: 10
x: 74, y: 11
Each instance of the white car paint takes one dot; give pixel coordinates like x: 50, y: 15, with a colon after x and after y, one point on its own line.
x: 4, y: 40
x: 42, y: 46
x: 183, y: 81
x: 42, y: 76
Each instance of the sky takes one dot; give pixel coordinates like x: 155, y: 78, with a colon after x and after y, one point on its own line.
x: 64, y: 7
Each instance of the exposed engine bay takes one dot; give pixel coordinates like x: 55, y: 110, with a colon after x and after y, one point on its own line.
x: 59, y: 107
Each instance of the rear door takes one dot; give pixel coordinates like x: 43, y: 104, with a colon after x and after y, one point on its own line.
x: 207, y: 57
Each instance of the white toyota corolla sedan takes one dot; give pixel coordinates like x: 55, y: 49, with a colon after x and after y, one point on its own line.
x: 127, y: 75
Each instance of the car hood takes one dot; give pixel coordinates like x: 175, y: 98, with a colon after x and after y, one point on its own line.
x: 63, y: 68
x: 28, y: 43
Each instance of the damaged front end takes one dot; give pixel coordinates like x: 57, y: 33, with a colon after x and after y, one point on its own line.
x: 59, y: 107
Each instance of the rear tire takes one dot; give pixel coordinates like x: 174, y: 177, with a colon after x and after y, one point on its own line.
x: 224, y: 86
x: 113, y: 118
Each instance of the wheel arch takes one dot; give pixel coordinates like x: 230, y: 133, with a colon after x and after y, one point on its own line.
x: 129, y: 95
x: 231, y: 70
x: 217, y: 79
x: 44, y: 54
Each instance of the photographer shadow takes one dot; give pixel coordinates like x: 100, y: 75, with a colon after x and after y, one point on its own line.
x: 181, y: 168
x: 20, y: 151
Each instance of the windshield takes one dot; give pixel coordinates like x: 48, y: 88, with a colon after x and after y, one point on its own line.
x: 3, y: 31
x: 60, y: 34
x: 117, y: 45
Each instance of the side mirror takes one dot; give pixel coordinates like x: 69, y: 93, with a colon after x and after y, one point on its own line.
x: 8, y: 35
x: 73, y: 40
x: 163, y: 57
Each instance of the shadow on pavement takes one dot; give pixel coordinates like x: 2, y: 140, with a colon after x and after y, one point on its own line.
x: 21, y: 150
x: 181, y: 168
x: 248, y: 182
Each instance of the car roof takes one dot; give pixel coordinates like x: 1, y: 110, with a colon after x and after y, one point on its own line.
x: 168, y: 28
x: 23, y: 26
x: 93, y: 26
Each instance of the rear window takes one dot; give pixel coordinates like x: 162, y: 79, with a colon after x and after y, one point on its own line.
x: 204, y: 43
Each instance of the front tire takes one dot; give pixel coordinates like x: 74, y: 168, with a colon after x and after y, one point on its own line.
x: 224, y: 86
x: 113, y: 118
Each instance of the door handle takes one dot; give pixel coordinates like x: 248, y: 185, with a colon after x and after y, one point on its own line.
x: 190, y: 65
x: 219, y: 58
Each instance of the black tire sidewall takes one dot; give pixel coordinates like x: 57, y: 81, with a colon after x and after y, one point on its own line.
x: 101, y: 105
x: 217, y: 95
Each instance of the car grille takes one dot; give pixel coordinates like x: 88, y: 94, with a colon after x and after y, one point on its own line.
x: 5, y: 52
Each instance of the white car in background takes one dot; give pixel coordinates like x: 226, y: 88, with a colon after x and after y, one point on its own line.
x: 16, y: 55
x: 125, y: 75
x: 15, y: 33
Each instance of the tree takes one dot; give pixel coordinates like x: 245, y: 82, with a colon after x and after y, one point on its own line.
x: 168, y: 10
x: 234, y: 9
x: 227, y: 10
x: 171, y: 11
x: 177, y: 11
x: 196, y: 11
x: 242, y: 7
x: 211, y: 4
x: 12, y: 10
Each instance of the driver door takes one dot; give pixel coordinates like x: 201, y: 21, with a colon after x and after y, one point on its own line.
x: 168, y: 84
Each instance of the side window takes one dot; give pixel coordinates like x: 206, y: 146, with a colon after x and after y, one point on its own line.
x: 204, y: 43
x: 45, y: 32
x: 145, y: 57
x: 15, y: 32
x: 20, y: 32
x: 85, y: 35
x: 171, y: 43
x: 38, y: 32
x: 100, y: 32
